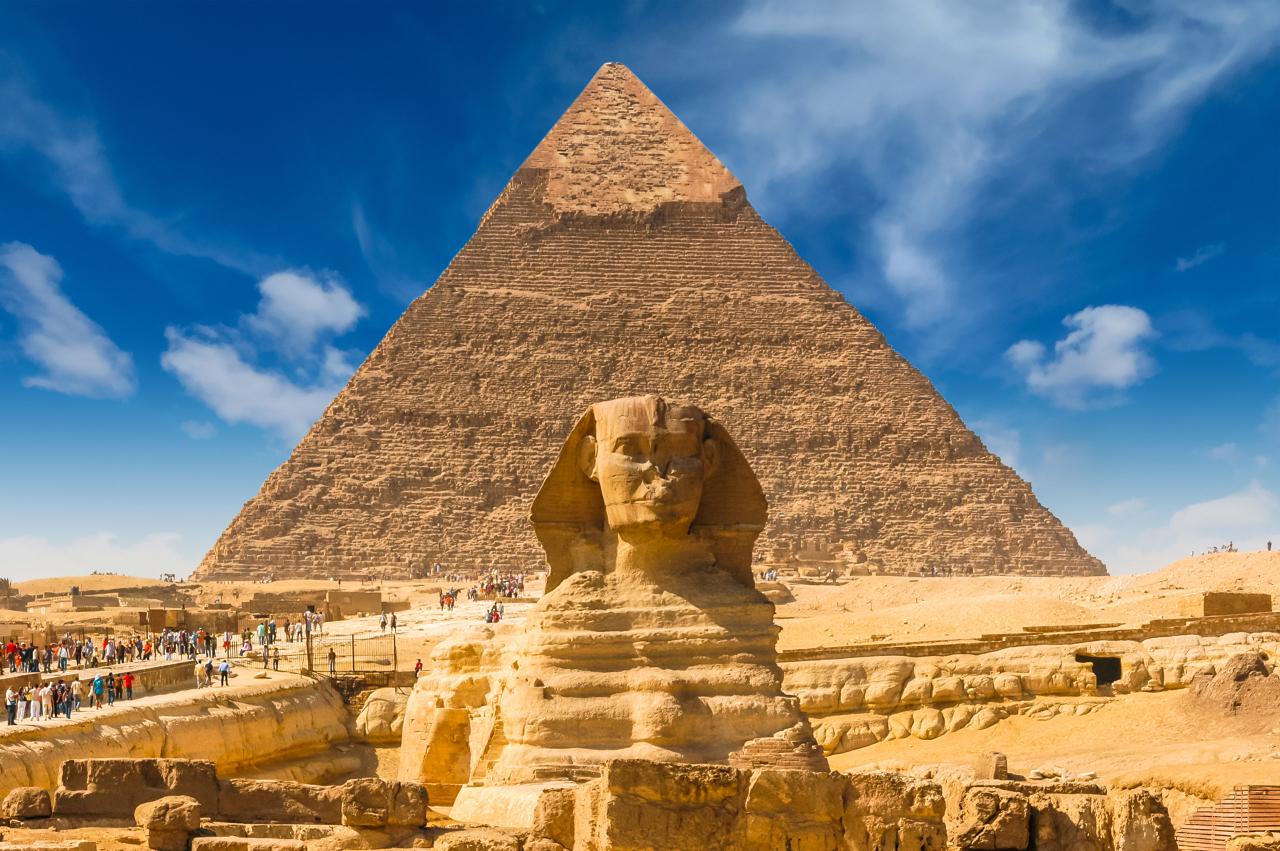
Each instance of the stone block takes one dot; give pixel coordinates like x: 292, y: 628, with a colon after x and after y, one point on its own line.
x: 372, y: 802
x: 1070, y: 823
x: 477, y: 839
x: 692, y: 806
x: 541, y: 809
x: 176, y: 812
x: 115, y: 787
x: 365, y: 802
x: 993, y: 766
x: 281, y: 801
x: 887, y: 810
x: 789, y: 809
x: 240, y: 843
x: 1140, y: 821
x: 26, y: 802
x: 408, y: 804
x: 993, y: 819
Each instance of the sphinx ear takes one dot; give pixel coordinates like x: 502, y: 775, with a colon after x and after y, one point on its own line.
x: 710, y: 456
x: 587, y: 457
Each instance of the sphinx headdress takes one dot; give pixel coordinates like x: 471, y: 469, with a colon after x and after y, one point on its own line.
x: 568, y: 513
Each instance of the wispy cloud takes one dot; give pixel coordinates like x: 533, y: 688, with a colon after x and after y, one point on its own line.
x: 298, y: 315
x: 74, y: 160
x: 199, y: 429
x: 1225, y: 452
x: 1202, y: 255
x: 383, y: 259
x: 1127, y: 508
x: 1193, y: 331
x: 1103, y: 354
x: 933, y: 102
x: 74, y: 354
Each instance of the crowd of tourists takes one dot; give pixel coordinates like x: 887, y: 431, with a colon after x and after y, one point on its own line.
x: 495, y: 584
x: 51, y: 700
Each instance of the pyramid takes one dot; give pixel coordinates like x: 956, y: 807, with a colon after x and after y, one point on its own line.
x: 623, y: 258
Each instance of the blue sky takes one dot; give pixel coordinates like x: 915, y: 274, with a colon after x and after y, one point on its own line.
x: 1066, y: 214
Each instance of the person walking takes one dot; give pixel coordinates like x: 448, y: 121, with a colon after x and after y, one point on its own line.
x: 96, y: 688
x: 11, y: 705
x: 111, y: 688
x: 393, y: 623
x: 417, y: 669
x: 383, y: 623
x: 77, y: 694
x: 333, y: 662
x: 275, y: 657
x: 128, y: 685
x: 224, y: 673
x: 208, y: 671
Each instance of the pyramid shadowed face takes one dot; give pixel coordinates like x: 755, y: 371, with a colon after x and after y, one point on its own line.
x: 650, y: 460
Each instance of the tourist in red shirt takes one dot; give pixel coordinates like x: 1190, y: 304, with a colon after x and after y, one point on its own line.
x: 128, y: 686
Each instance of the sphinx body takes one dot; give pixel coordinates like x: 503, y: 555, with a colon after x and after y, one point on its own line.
x: 651, y: 641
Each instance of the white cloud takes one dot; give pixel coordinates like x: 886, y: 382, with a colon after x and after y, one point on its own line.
x: 199, y: 429
x: 1127, y: 508
x: 296, y: 316
x: 1102, y: 355
x: 76, y: 163
x: 931, y: 102
x: 1225, y: 452
x: 215, y: 372
x: 1202, y: 255
x: 74, y: 354
x: 1247, y: 518
x: 298, y: 307
x: 27, y: 557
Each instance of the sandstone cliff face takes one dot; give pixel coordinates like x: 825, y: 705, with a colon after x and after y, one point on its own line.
x: 623, y: 258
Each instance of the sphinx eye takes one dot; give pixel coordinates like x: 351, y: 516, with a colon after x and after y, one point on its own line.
x: 628, y: 446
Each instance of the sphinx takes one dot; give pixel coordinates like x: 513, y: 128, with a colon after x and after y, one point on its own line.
x: 650, y: 641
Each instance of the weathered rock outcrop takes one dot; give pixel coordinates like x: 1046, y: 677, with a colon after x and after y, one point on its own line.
x: 624, y: 258
x: 238, y: 731
x: 857, y: 702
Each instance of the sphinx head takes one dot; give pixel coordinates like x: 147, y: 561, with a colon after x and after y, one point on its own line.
x: 640, y: 467
x: 651, y: 461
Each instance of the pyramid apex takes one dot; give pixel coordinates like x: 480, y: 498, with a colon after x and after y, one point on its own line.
x: 618, y: 148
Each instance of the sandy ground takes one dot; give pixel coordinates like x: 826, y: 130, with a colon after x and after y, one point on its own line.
x: 893, y: 608
x: 1160, y: 739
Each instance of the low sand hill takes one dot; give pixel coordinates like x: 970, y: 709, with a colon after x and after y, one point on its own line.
x: 895, y: 608
x: 91, y: 584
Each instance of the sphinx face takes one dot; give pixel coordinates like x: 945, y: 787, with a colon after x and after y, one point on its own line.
x: 651, y: 461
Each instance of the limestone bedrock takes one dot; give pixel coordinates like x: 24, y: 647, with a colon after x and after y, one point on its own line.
x: 651, y: 641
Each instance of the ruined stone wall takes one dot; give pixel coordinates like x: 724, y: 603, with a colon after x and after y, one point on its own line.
x: 853, y: 703
x: 624, y: 259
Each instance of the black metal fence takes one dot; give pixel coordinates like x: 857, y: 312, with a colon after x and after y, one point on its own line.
x: 338, y: 656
